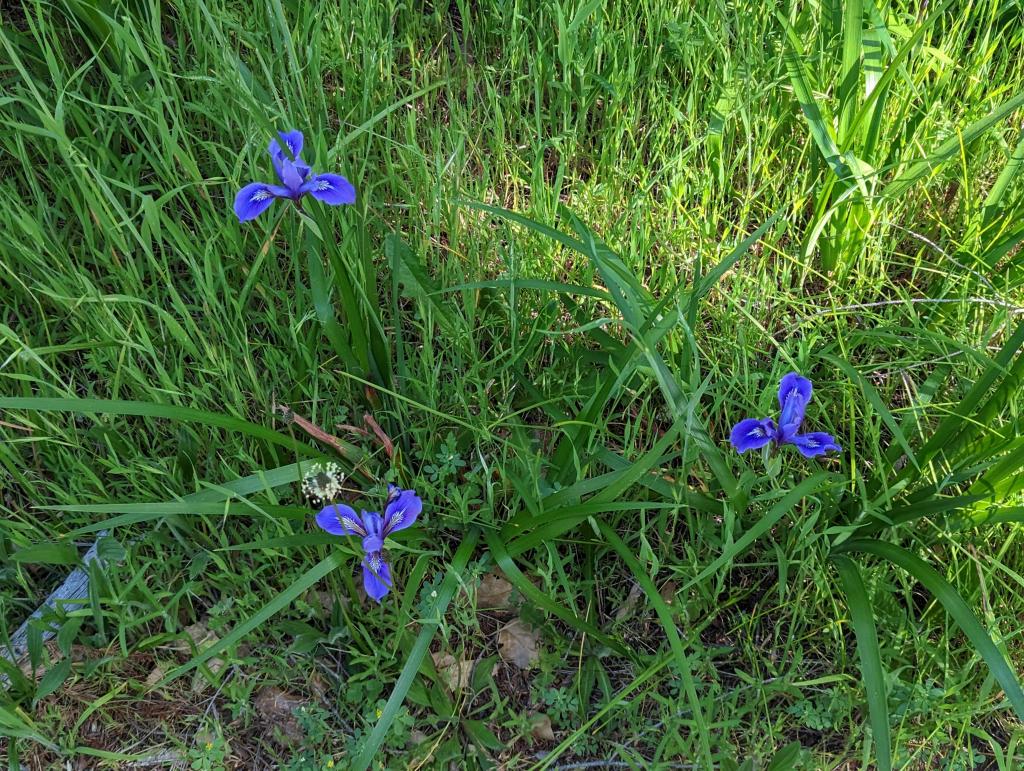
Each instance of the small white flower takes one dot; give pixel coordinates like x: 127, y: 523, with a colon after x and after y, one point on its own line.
x: 322, y: 483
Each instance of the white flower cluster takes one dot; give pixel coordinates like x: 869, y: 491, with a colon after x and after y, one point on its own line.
x: 323, y: 483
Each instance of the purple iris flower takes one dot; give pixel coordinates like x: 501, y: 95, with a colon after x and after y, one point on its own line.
x: 402, y: 508
x: 256, y: 197
x: 794, y: 395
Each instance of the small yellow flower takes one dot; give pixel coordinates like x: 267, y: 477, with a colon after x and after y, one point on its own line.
x: 209, y: 746
x: 379, y: 712
x: 330, y: 763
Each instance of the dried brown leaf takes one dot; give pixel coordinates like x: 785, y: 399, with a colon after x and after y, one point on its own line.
x: 199, y: 634
x: 668, y: 592
x: 540, y: 728
x: 629, y: 604
x: 517, y: 643
x: 456, y: 672
x: 277, y: 710
x: 493, y: 592
x: 155, y: 676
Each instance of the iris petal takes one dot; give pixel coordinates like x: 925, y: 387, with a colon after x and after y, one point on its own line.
x: 402, y: 511
x: 814, y: 443
x: 289, y: 144
x: 373, y: 524
x: 339, y: 519
x: 290, y: 140
x: 752, y: 434
x: 291, y: 177
x: 332, y: 189
x: 254, y: 199
x: 794, y: 395
x: 376, y: 576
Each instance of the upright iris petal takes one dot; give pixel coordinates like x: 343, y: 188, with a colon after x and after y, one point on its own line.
x: 794, y: 395
x: 291, y: 140
x: 300, y: 167
x: 292, y: 178
x: 374, y: 540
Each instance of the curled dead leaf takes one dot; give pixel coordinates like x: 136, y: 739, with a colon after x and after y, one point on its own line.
x: 200, y: 636
x: 155, y: 676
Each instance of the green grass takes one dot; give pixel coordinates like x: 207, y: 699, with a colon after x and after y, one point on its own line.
x: 589, y: 239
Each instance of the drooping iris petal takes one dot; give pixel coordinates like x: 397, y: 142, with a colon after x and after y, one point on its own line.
x: 339, y: 519
x: 255, y: 198
x: 402, y: 511
x: 291, y: 177
x: 794, y: 394
x: 752, y: 434
x: 332, y: 189
x: 376, y: 576
x: 814, y: 443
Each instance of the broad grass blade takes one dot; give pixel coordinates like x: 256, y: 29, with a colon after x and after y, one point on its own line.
x: 951, y: 147
x: 954, y: 604
x: 515, y: 576
x: 417, y: 652
x: 168, y: 411
x: 809, y: 486
x: 272, y: 608
x: 863, y: 620
x: 668, y: 623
